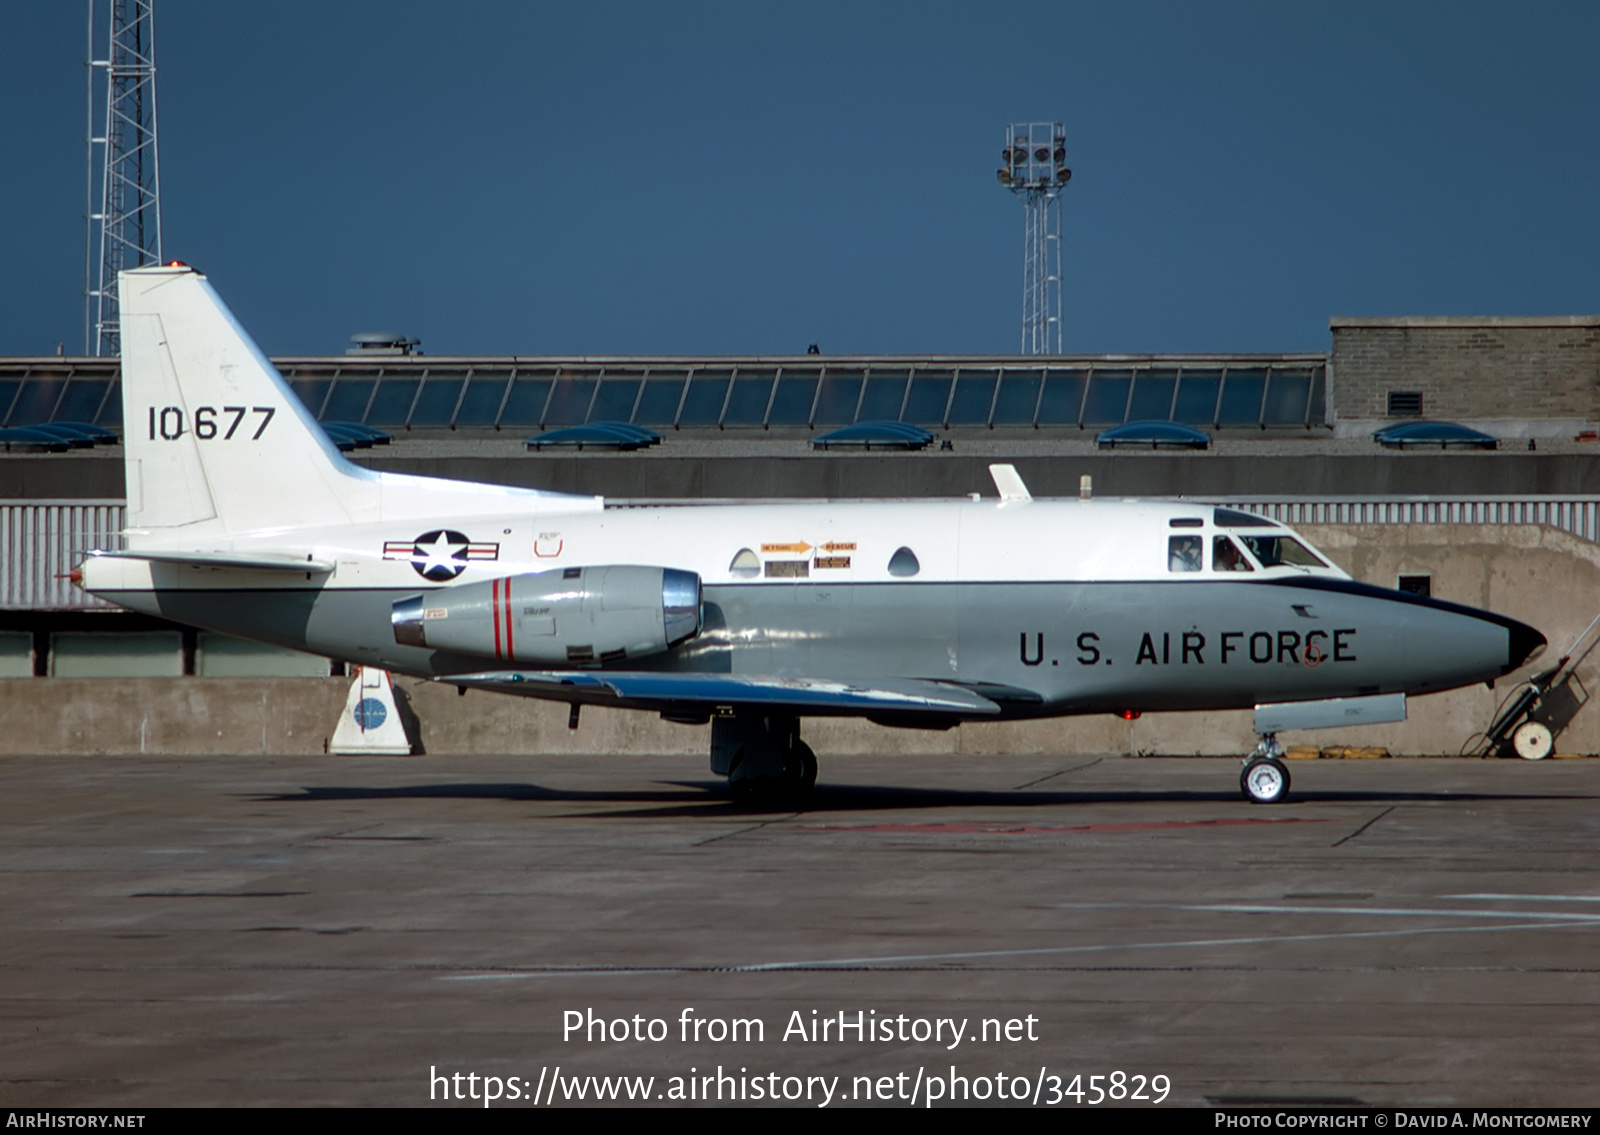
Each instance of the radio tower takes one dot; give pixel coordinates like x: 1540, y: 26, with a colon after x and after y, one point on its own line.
x: 122, y: 227
x: 1035, y: 170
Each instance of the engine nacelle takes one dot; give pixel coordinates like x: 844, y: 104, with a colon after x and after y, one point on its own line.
x: 575, y: 616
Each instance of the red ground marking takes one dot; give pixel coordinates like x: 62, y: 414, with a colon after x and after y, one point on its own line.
x: 1032, y: 829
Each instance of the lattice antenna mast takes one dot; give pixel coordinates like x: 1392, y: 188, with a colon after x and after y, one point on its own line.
x: 1035, y: 170
x: 123, y: 225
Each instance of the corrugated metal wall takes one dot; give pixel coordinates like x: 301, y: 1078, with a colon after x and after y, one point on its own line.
x: 1579, y: 515
x: 41, y: 541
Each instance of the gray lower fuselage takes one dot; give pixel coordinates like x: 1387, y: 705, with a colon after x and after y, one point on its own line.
x: 1083, y: 647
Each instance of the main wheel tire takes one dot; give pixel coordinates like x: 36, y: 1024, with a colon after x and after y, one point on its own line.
x: 808, y: 766
x: 789, y: 786
x: 1264, y: 782
x: 1533, y: 741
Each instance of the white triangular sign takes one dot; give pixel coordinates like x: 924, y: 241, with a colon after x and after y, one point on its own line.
x: 371, y: 721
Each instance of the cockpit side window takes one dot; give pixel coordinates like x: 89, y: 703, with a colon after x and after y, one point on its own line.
x: 1185, y: 553
x: 1226, y: 556
x: 1278, y: 551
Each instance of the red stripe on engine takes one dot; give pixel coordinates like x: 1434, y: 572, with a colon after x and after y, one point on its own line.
x: 494, y: 616
x: 509, y: 651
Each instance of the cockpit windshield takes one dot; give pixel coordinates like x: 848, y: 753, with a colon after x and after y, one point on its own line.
x: 1280, y: 551
x: 1226, y: 556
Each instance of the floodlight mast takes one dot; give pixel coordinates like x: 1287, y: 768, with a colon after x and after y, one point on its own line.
x: 122, y: 225
x: 1034, y: 168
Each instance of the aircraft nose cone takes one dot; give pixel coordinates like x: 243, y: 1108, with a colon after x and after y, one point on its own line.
x: 1526, y: 644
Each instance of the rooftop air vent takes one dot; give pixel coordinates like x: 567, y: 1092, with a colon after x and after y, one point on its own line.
x: 1405, y: 403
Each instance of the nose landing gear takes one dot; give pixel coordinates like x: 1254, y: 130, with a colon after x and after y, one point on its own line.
x: 1265, y: 780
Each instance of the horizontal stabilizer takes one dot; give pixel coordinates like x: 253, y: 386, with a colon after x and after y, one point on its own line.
x: 651, y: 690
x: 254, y: 561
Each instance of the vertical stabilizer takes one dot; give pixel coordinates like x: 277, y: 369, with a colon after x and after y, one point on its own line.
x: 216, y: 442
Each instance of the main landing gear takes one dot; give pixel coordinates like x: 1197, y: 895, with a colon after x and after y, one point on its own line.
x: 763, y: 757
x: 1265, y: 780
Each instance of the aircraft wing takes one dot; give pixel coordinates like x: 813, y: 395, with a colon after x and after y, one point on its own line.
x: 681, y: 691
x: 255, y: 561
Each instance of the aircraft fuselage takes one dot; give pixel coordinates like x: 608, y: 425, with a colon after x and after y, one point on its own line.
x: 1074, y: 601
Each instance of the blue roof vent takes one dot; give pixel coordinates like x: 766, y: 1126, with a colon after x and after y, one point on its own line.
x: 1442, y: 434
x: 1156, y: 434
x: 882, y: 435
x: 598, y: 435
x: 353, y: 435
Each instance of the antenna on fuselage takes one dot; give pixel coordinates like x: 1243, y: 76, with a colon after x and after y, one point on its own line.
x: 1009, y: 482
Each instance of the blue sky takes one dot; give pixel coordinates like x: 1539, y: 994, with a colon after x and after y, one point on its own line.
x: 749, y: 178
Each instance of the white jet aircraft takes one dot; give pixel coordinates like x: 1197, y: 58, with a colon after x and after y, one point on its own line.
x: 243, y: 518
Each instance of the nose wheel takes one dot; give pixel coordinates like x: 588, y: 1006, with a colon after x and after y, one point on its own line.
x: 1265, y: 780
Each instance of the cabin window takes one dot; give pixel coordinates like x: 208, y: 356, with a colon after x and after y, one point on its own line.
x: 904, y: 563
x: 1184, y: 553
x: 1277, y: 551
x: 1226, y: 556
x: 745, y: 565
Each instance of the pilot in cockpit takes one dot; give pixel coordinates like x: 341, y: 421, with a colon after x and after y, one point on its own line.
x: 1184, y: 553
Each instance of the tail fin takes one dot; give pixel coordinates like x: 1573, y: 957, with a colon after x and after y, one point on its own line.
x: 218, y: 446
x: 214, y: 436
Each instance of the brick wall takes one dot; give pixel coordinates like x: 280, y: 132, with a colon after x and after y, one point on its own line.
x: 1469, y: 368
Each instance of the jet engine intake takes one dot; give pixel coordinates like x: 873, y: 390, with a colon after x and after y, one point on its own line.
x: 576, y: 616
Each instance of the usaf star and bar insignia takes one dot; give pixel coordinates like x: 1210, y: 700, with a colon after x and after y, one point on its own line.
x: 441, y: 554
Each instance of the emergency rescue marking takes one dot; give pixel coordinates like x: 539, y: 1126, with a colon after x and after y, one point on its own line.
x: 168, y: 423
x: 548, y: 545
